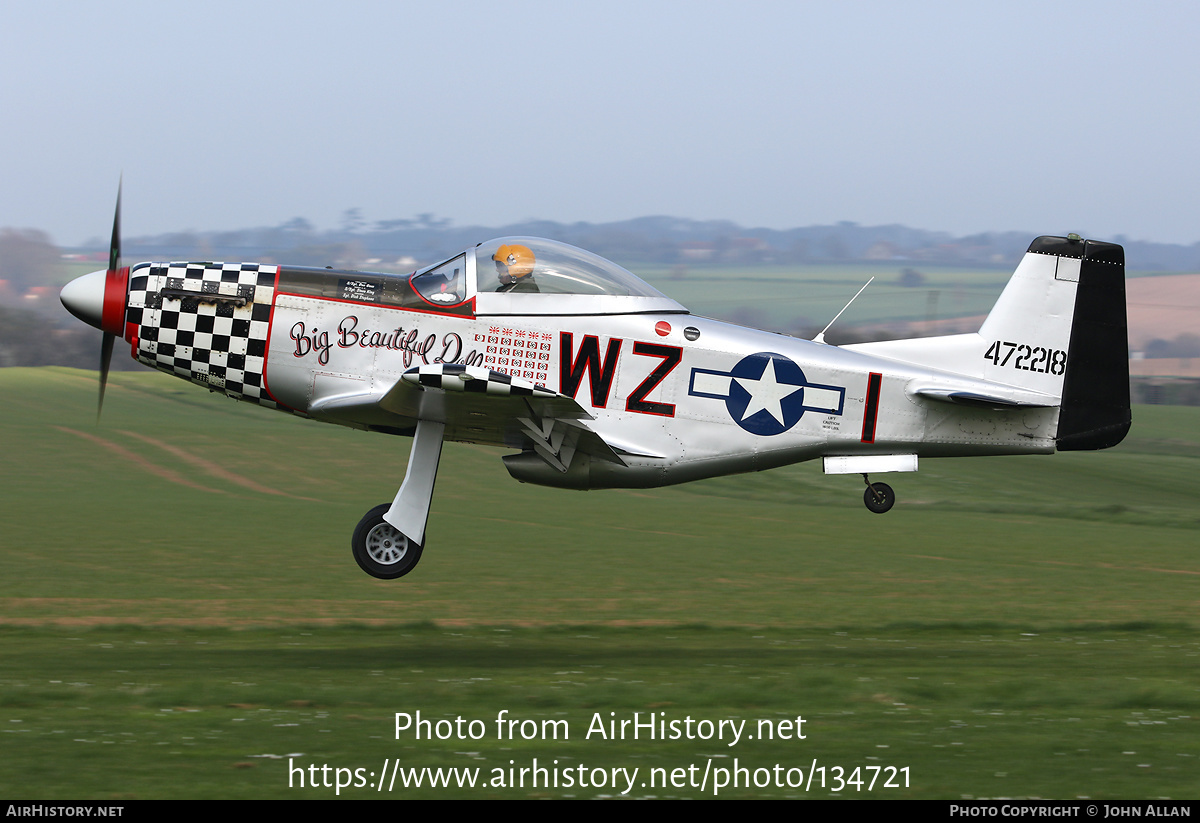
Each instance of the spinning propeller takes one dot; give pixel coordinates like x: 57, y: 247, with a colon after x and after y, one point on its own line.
x: 98, y: 299
x: 114, y: 265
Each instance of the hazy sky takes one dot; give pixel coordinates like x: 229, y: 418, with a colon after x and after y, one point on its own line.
x: 1041, y: 117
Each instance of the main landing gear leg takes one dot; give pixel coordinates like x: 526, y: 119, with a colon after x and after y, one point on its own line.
x: 388, y: 541
x: 878, y: 497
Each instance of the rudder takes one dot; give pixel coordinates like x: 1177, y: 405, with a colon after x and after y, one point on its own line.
x: 1095, y: 403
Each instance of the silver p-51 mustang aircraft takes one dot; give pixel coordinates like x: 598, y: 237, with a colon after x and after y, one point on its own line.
x: 596, y: 380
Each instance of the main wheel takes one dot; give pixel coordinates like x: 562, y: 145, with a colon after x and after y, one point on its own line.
x: 879, y: 497
x: 380, y: 549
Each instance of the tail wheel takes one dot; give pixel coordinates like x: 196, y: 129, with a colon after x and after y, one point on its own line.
x: 380, y: 549
x: 879, y: 497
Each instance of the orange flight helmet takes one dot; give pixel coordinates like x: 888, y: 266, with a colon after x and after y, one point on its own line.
x: 513, y: 263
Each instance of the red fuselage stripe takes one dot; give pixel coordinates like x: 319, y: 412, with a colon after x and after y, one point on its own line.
x: 871, y: 411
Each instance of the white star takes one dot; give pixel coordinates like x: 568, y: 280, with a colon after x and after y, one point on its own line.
x: 766, y: 392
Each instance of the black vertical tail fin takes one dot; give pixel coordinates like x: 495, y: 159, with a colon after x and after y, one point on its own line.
x: 1095, y: 410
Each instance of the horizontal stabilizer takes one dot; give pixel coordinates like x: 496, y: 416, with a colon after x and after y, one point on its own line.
x: 987, y: 401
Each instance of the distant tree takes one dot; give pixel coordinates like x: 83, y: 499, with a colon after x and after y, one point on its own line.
x: 28, y: 259
x: 340, y: 255
x: 911, y: 278
x: 1184, y: 345
x: 352, y: 220
x: 835, y: 248
x: 31, y: 339
x: 427, y: 220
x: 393, y: 225
x: 183, y: 239
x: 298, y: 225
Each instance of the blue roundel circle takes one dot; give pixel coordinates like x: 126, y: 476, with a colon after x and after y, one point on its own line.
x: 766, y: 394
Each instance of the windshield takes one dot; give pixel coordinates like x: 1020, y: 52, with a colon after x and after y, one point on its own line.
x: 444, y: 285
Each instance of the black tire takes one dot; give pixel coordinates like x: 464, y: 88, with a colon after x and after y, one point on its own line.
x: 380, y: 549
x: 879, y: 497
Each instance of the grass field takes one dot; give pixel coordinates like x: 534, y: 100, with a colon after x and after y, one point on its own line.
x: 179, y: 614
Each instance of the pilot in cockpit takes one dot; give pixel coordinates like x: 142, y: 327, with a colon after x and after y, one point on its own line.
x: 514, y: 269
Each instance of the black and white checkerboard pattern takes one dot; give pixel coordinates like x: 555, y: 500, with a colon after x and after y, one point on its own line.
x: 475, y: 379
x: 205, y: 339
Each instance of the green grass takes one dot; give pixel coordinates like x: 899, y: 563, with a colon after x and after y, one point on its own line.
x: 970, y: 710
x: 1015, y: 627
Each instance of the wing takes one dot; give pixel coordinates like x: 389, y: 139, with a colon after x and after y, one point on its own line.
x: 476, y: 405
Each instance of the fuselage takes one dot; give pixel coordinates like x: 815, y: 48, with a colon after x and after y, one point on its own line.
x: 679, y: 397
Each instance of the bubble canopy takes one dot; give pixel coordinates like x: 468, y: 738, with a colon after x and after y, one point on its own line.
x: 531, y: 275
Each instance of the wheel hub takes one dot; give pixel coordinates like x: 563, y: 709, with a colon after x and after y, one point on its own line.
x: 386, y: 545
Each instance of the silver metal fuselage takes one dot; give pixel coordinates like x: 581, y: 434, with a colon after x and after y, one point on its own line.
x: 679, y: 428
